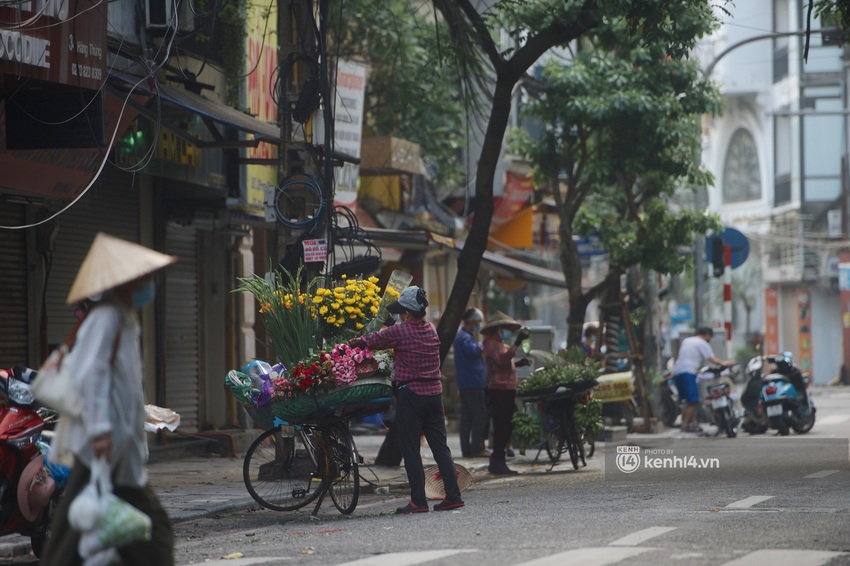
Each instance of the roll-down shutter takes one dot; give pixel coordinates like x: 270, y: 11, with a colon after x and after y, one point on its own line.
x: 182, y: 357
x: 111, y: 206
x: 14, y: 328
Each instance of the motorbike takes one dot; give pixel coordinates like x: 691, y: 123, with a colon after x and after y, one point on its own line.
x: 783, y: 397
x: 719, y: 400
x: 754, y: 421
x: 28, y: 490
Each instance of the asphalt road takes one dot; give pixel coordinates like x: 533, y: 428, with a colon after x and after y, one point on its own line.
x: 751, y: 500
x: 761, y: 500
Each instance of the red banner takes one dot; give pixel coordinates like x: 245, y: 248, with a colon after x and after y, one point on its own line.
x: 771, y: 321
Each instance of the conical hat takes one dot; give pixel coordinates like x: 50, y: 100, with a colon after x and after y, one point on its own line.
x: 500, y: 319
x: 112, y: 262
x: 434, y: 488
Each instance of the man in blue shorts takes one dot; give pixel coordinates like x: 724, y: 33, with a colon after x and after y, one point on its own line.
x: 692, y: 353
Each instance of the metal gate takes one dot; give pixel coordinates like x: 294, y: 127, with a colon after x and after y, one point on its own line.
x: 14, y: 330
x: 182, y: 336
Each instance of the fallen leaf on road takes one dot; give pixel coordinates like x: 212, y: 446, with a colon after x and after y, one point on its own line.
x: 233, y: 556
x: 308, y: 550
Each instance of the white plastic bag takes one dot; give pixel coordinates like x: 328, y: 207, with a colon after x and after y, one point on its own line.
x: 54, y: 386
x: 116, y: 522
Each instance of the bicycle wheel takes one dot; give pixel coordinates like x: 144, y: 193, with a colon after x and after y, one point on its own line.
x: 280, y: 469
x: 345, y: 472
x: 568, y: 426
x: 554, y: 439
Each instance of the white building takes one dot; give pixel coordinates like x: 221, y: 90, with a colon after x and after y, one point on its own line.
x: 776, y: 154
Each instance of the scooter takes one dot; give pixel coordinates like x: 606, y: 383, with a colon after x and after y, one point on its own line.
x: 783, y: 396
x: 28, y: 490
x: 755, y: 421
x: 719, y: 401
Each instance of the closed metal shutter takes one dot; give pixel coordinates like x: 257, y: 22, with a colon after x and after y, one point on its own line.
x: 182, y: 359
x: 14, y: 328
x: 111, y: 206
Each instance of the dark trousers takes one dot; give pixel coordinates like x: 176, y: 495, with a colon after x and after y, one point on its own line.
x: 416, y: 414
x: 502, y: 405
x: 473, y: 421
x: 61, y: 546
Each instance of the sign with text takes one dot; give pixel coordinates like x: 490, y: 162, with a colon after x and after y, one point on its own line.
x: 56, y: 41
x: 804, y: 308
x: 348, y: 127
x: 315, y: 250
x: 771, y: 321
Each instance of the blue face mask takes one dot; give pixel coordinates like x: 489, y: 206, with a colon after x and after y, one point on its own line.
x: 477, y: 328
x: 144, y: 294
x: 506, y: 335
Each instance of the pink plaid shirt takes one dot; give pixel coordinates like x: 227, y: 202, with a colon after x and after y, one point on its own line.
x: 417, y: 354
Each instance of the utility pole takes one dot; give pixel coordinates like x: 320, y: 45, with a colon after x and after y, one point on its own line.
x: 295, y: 48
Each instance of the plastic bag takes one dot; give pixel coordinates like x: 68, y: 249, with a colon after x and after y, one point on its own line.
x: 106, y: 520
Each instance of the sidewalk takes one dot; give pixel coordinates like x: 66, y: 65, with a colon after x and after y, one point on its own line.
x: 194, y: 486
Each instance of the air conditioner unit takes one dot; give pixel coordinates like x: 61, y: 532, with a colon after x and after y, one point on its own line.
x: 159, y: 14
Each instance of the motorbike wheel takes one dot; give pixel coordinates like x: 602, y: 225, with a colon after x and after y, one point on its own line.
x: 669, y: 408
x: 804, y: 425
x: 779, y: 424
x: 730, y: 423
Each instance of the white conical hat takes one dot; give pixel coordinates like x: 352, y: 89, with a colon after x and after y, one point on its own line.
x: 112, y: 262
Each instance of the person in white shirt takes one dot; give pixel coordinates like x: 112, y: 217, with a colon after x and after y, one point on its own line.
x: 107, y: 358
x: 693, y: 352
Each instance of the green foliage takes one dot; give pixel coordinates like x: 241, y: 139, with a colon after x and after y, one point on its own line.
x: 836, y: 13
x: 412, y: 90
x: 526, y: 429
x: 285, y: 310
x: 589, y: 416
x: 559, y: 374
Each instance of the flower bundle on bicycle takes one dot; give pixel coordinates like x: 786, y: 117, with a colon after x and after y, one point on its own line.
x: 307, y: 332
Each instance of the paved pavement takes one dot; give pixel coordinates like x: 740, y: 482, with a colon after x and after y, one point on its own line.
x: 192, y: 486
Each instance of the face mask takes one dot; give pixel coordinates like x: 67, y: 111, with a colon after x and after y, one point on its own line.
x: 477, y: 328
x: 506, y: 335
x: 144, y: 294
x: 397, y: 318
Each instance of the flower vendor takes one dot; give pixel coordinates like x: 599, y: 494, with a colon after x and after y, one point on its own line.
x: 419, y: 403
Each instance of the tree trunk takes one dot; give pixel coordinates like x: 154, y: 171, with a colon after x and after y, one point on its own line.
x: 476, y: 241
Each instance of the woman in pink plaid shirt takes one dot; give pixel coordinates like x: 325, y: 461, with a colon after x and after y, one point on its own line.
x: 419, y: 400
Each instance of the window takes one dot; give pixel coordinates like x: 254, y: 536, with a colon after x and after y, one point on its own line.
x: 741, y: 175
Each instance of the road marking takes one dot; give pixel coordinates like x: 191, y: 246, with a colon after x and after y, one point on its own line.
x: 639, y: 537
x: 601, y: 556
x: 243, y: 561
x: 405, y: 558
x: 821, y: 474
x: 833, y: 419
x: 748, y: 502
x: 785, y: 558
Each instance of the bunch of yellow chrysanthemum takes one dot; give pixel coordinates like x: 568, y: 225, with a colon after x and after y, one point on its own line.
x: 344, y: 310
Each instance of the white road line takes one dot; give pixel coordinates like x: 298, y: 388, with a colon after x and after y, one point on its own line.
x: 785, y: 558
x: 601, y: 556
x: 405, y: 558
x: 639, y: 537
x: 748, y: 502
x: 821, y: 474
x: 243, y: 561
x: 833, y: 419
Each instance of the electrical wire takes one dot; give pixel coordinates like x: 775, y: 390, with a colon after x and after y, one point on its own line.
x: 299, y: 181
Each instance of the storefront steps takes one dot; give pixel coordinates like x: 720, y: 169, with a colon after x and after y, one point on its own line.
x: 175, y: 445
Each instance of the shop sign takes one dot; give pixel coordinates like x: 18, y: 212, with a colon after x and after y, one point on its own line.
x: 58, y: 41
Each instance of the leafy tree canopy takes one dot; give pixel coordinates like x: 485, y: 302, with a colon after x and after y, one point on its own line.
x: 412, y: 89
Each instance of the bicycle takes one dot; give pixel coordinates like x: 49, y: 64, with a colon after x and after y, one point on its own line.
x: 291, y: 465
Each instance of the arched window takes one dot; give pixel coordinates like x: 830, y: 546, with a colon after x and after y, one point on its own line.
x: 741, y: 176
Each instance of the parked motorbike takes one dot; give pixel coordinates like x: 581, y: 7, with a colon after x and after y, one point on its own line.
x: 755, y: 421
x: 28, y: 490
x: 783, y: 396
x: 719, y: 400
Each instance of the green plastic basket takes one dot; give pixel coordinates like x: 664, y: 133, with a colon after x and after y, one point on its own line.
x: 366, y: 396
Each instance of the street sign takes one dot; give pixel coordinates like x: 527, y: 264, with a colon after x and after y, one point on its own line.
x: 735, y: 240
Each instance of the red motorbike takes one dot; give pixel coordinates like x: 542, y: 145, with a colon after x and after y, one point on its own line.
x: 28, y: 490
